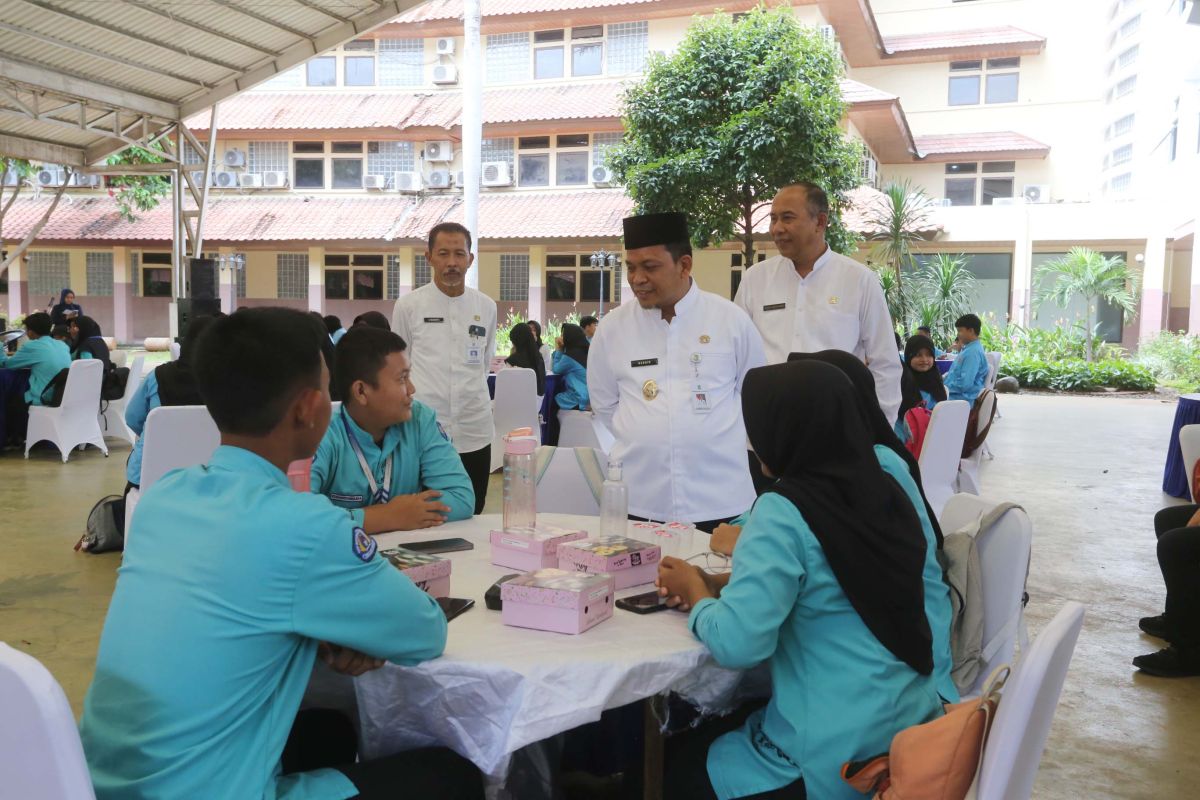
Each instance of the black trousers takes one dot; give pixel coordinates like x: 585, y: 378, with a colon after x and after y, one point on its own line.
x: 1179, y: 560
x: 478, y: 465
x: 323, y: 738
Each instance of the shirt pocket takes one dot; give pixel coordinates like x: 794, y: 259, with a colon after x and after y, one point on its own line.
x: 717, y: 370
x: 840, y: 327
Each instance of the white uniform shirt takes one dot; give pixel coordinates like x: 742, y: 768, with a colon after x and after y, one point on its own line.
x: 839, y: 306
x: 451, y: 341
x: 683, y: 457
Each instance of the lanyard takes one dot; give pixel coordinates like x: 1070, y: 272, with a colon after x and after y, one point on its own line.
x: 379, y: 494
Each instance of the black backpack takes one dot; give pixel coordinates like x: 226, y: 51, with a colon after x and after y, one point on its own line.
x: 52, y: 395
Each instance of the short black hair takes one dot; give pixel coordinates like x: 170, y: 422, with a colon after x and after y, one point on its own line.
x: 361, y: 354
x: 923, y: 328
x: 678, y: 249
x: 60, y: 330
x: 448, y: 227
x: 333, y: 324
x: 970, y: 322
x: 588, y: 320
x: 818, y: 199
x: 39, y: 323
x: 251, y: 364
x: 372, y: 319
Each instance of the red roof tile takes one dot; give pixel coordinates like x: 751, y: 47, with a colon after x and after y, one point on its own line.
x: 991, y: 142
x: 855, y: 92
x: 948, y: 40
x: 556, y: 101
x: 333, y: 110
x: 453, y: 9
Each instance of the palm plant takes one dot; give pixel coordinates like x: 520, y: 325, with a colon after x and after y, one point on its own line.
x: 898, y: 221
x: 1092, y: 275
x: 947, y: 290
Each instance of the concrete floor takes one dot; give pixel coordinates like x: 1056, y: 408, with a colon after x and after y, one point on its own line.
x: 1088, y: 470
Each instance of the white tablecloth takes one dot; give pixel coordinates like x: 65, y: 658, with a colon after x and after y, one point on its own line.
x: 498, y: 688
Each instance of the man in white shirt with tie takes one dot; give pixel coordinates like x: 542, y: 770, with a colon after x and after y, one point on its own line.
x: 665, y: 375
x: 450, y: 330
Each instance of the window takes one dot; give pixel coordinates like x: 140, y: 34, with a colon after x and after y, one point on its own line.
x: 49, y: 272
x: 291, y: 276
x: 384, y: 158
x: 571, y: 167
x: 548, y: 62
x: 964, y: 90
x: 135, y: 273
x: 967, y: 168
x: 1121, y: 183
x: 560, y: 285
x: 1001, y: 88
x: 1128, y: 58
x: 393, y: 277
x: 1123, y: 88
x: 402, y: 62
x: 346, y: 147
x: 534, y: 169
x: 367, y: 45
x: 998, y: 78
x: 322, y: 71
x: 308, y: 147
x: 960, y: 191
x: 368, y: 284
x: 514, y: 276
x: 156, y: 282
x: 1123, y: 126
x: 190, y: 154
x: 268, y: 157
x: 1122, y: 155
x: 589, y: 284
x: 360, y: 70
x: 100, y: 274
x: 288, y: 79
x: 1129, y: 27
x: 498, y: 150
x: 628, y: 45
x: 587, y: 57
x: 1172, y: 141
x: 996, y: 187
x: 506, y: 57
x: 337, y: 284
x: 421, y: 272
x: 310, y: 173
x: 239, y: 284
x: 601, y: 144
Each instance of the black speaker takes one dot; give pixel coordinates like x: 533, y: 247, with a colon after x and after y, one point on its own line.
x: 202, y: 279
x: 189, y: 308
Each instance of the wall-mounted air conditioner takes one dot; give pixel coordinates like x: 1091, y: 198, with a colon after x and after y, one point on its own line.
x: 11, y: 176
x: 439, y: 151
x: 445, y: 74
x: 86, y: 180
x: 375, y: 182
x: 50, y: 176
x: 602, y: 176
x: 275, y: 180
x: 496, y: 173
x: 250, y: 181
x: 197, y: 179
x: 1036, y: 193
x: 445, y: 46
x: 439, y: 179
x: 827, y: 32
x: 225, y: 180
x: 234, y: 158
x: 460, y: 179
x: 407, y: 181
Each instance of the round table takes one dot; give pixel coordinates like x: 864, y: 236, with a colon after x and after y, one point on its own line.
x: 497, y: 688
x: 944, y: 364
x: 13, y: 383
x: 1176, y: 481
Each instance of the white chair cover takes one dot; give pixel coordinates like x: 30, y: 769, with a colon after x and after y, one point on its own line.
x: 77, y: 420
x: 563, y: 486
x: 993, y: 362
x: 40, y: 754
x: 174, y: 348
x: 119, y: 358
x: 1004, y: 551
x: 1018, y: 736
x: 175, y: 437
x: 582, y: 429
x: 515, y: 406
x: 968, y: 468
x: 112, y: 421
x: 942, y: 450
x: 1189, y: 443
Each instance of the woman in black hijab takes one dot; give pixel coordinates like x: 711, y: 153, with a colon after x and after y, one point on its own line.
x: 570, y: 364
x: 575, y: 343
x: 66, y: 309
x: 525, y: 354
x: 88, y: 341
x: 927, y: 381
x: 176, y: 383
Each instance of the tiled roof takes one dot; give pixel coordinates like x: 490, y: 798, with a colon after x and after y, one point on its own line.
x: 453, y: 9
x: 556, y: 101
x: 991, y: 142
x: 949, y: 40
x: 333, y: 111
x: 865, y: 204
x: 855, y: 92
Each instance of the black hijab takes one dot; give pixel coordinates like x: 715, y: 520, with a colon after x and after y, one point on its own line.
x: 525, y: 354
x: 89, y: 340
x: 868, y: 403
x: 575, y: 343
x: 537, y: 330
x: 176, y: 382
x: 58, y: 314
x: 929, y: 381
x: 804, y: 425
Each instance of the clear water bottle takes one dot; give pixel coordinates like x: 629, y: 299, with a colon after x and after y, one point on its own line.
x: 614, y: 503
x: 520, y: 506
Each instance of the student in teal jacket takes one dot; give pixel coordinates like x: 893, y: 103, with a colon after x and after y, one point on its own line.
x: 570, y: 365
x: 234, y: 584
x: 968, y: 374
x: 42, y: 355
x: 384, y: 456
x: 826, y: 588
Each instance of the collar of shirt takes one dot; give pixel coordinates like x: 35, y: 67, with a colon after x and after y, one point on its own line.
x: 683, y: 306
x: 391, y: 438
x: 821, y: 261
x: 237, y: 459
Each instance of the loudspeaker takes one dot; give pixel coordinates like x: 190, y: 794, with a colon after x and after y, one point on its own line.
x: 188, y: 308
x: 202, y: 279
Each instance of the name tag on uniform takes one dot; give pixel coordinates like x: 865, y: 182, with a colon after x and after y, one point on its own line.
x: 345, y: 498
x: 700, y: 401
x: 644, y: 362
x: 477, y: 330
x: 775, y: 307
x: 435, y: 319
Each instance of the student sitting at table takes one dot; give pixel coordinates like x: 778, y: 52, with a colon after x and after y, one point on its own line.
x: 61, y: 333
x: 385, y: 456
x: 334, y: 326
x: 372, y: 319
x: 921, y: 388
x: 967, y: 376
x: 236, y: 585
x: 44, y: 357
x: 826, y: 589
x: 924, y: 330
x: 570, y: 362
x: 87, y: 341
x: 525, y: 354
x: 542, y: 347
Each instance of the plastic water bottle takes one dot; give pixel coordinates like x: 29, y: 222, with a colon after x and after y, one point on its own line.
x: 614, y: 503
x: 520, y: 505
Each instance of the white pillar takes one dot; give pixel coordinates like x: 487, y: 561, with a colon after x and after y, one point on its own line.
x: 1194, y: 308
x: 1021, y: 297
x: 1154, y: 269
x: 472, y: 127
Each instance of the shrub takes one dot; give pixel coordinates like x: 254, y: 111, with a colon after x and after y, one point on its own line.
x: 1174, y: 358
x: 551, y: 329
x: 1055, y: 344
x: 1077, y: 375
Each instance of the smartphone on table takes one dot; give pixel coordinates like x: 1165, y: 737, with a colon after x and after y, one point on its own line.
x: 439, y: 546
x: 646, y: 603
x: 454, y: 606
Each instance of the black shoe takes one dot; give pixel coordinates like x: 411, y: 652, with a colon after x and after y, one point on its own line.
x: 1173, y: 662
x: 1155, y: 626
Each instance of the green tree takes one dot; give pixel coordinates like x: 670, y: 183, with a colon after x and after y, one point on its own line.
x: 742, y: 109
x: 945, y: 290
x: 897, y: 220
x: 1093, y: 276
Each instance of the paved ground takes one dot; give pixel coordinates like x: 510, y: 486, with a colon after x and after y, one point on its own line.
x: 1087, y: 469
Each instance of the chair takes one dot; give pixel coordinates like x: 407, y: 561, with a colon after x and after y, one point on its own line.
x: 119, y: 358
x: 582, y: 429
x: 76, y: 421
x: 993, y: 360
x: 41, y: 757
x: 1018, y: 736
x: 942, y: 450
x: 515, y: 406
x: 569, y: 480
x: 968, y: 468
x: 1004, y: 551
x: 1189, y: 443
x: 174, y: 349
x: 175, y: 437
x: 112, y: 421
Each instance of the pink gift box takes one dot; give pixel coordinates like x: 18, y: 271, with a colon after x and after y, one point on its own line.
x: 429, y: 572
x: 629, y: 561
x: 533, y: 548
x: 557, y: 600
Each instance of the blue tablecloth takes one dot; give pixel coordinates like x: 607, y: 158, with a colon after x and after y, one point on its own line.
x: 548, y: 411
x: 944, y: 365
x: 1176, y: 481
x: 13, y: 384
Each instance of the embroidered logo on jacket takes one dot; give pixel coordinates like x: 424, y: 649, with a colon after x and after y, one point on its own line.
x: 364, y: 545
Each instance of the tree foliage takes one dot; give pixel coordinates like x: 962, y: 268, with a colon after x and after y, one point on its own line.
x: 1093, y: 276
x: 742, y: 109
x: 898, y: 219
x: 134, y: 193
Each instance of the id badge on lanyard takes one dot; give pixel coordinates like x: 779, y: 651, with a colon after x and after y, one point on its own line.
x: 476, y: 337
x: 379, y: 494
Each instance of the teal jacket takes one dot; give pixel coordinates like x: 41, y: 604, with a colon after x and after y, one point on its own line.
x: 44, y: 357
x: 422, y: 458
x: 838, y: 694
x: 967, y: 374
x: 230, y: 582
x: 144, y: 400
x: 572, y: 387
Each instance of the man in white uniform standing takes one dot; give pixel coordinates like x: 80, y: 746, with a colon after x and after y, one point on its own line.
x: 665, y: 374
x: 450, y: 330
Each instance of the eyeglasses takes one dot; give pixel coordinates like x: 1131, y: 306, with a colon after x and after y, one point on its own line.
x: 711, y: 562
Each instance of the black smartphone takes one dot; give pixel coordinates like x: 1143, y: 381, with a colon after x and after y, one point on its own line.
x: 439, y: 546
x: 646, y: 603
x: 453, y: 606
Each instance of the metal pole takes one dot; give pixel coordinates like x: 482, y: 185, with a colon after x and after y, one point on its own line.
x: 472, y: 127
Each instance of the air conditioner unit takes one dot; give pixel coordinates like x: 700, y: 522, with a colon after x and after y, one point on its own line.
x: 445, y: 74
x: 198, y: 179
x: 86, y: 180
x: 275, y: 180
x: 1008, y: 201
x: 250, y: 181
x: 375, y: 182
x: 225, y: 180
x: 460, y: 178
x: 445, y: 46
x: 407, y: 181
x: 234, y: 158
x: 439, y: 179
x: 945, y: 201
x: 439, y: 151
x: 50, y: 177
x: 11, y: 176
x: 496, y: 173
x: 1036, y: 193
x: 827, y: 32
x: 602, y: 176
